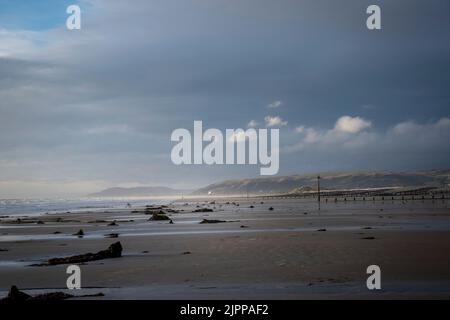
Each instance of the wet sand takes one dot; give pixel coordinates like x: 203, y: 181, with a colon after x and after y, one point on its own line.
x: 258, y: 253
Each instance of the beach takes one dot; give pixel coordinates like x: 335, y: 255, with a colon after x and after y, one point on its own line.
x: 260, y: 248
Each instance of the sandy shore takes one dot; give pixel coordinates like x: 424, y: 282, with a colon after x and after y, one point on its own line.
x: 258, y: 253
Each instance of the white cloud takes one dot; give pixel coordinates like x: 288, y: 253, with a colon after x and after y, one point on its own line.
x: 347, y: 132
x: 241, y: 136
x: 443, y: 122
x: 351, y: 124
x: 396, y: 140
x: 275, y: 104
x: 432, y: 132
x: 300, y: 129
x: 16, y: 44
x: 274, y: 121
x: 253, y: 124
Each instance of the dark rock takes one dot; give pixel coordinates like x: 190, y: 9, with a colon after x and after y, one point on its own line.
x: 322, y: 230
x: 170, y: 222
x: 80, y: 233
x: 244, y: 226
x: 97, y: 221
x: 211, y: 221
x: 368, y: 238
x: 51, y: 296
x: 158, y: 216
x: 113, y: 251
x: 112, y: 223
x: 203, y: 210
x: 111, y: 235
x: 40, y: 222
x: 56, y: 232
x: 152, y: 208
x: 187, y: 252
x: 251, y: 207
x: 271, y: 208
x: 15, y: 295
x: 100, y: 294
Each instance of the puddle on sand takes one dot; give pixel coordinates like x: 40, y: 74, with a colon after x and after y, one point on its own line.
x: 135, y: 232
x: 10, y: 263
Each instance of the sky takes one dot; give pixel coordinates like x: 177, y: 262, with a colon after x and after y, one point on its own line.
x: 83, y: 110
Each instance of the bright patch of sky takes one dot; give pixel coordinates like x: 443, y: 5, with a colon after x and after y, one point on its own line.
x: 33, y: 15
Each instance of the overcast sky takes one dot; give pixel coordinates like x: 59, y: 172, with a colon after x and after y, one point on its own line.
x: 93, y: 108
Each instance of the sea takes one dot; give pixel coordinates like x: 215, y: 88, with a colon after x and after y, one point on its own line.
x: 36, y: 207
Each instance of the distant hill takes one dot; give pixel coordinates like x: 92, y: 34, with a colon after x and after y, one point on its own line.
x: 331, y: 181
x: 138, y: 192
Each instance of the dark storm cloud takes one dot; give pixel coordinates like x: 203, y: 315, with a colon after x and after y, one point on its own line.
x: 100, y: 103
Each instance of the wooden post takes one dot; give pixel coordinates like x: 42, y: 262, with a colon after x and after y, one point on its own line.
x: 318, y: 191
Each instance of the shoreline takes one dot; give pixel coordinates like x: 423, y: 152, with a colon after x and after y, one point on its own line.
x: 288, y: 247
